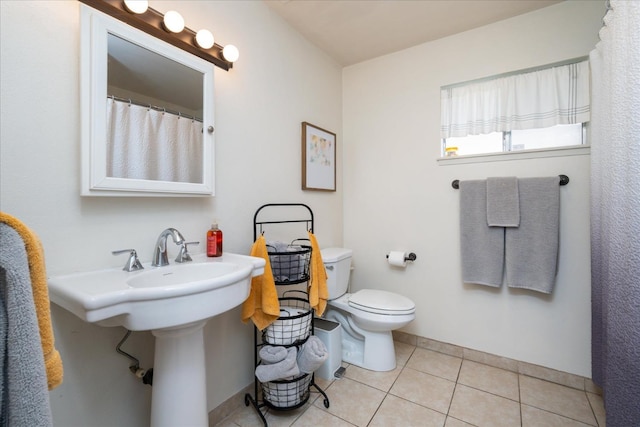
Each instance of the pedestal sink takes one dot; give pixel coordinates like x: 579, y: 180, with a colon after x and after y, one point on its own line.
x: 174, y: 303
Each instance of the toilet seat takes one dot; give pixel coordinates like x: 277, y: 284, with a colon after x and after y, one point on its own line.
x: 381, y: 302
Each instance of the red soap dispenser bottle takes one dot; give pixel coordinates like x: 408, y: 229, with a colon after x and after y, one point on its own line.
x: 214, y: 241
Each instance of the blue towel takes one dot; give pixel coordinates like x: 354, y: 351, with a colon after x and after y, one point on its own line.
x: 481, y: 246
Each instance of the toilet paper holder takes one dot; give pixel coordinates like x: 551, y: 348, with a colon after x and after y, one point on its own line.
x: 410, y: 257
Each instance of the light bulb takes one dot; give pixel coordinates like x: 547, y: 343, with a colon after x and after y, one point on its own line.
x: 230, y: 53
x: 173, y: 21
x: 136, y: 6
x: 204, y: 39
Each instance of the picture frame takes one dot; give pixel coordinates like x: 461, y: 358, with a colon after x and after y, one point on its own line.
x: 318, y: 158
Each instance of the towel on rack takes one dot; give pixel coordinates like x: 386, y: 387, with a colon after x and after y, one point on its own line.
x: 318, y: 292
x: 481, y: 246
x: 40, y: 289
x: 262, y: 305
x: 286, y: 267
x: 24, y: 398
x: 531, y: 250
x: 283, y: 369
x: 312, y: 355
x: 503, y: 202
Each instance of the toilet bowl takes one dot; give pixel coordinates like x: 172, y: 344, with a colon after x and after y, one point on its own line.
x: 367, y: 316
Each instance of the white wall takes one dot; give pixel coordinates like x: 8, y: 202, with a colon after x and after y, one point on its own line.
x: 279, y: 81
x: 395, y: 194
x: 397, y: 197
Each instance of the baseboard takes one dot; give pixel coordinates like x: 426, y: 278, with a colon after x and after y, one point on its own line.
x: 559, y: 377
x: 229, y: 406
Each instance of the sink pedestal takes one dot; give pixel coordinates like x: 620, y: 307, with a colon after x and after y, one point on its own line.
x: 179, y: 395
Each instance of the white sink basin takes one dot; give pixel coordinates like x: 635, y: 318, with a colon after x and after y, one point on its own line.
x: 158, y: 297
x: 174, y: 302
x: 176, y: 276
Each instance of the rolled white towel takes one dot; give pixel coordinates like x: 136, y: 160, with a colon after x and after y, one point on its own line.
x: 312, y: 355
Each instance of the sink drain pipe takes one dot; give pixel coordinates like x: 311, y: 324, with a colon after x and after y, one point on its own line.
x: 145, y: 375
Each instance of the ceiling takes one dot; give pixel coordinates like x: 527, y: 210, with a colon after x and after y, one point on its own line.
x: 352, y: 31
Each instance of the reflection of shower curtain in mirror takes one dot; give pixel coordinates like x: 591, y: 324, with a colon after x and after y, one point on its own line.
x: 143, y: 143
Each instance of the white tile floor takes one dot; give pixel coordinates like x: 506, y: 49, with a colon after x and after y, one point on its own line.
x: 434, y: 389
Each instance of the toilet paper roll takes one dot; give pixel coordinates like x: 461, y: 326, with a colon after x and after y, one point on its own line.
x: 397, y: 258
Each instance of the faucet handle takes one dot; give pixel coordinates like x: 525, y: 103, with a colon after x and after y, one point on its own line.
x: 183, y: 255
x: 133, y: 263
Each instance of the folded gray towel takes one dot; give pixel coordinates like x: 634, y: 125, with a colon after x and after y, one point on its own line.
x: 481, y: 246
x: 286, y: 268
x: 284, y: 369
x: 270, y: 354
x: 531, y: 250
x: 312, y: 355
x: 503, y: 202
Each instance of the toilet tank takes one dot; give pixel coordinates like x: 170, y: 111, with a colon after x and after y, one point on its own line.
x: 337, y: 262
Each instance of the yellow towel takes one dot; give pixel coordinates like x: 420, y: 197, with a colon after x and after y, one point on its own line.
x: 37, y: 271
x: 262, y: 305
x: 318, y: 293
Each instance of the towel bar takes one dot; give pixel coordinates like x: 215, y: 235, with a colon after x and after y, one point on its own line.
x: 564, y: 180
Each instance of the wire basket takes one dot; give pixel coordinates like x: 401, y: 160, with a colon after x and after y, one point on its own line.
x: 293, y: 327
x: 287, y: 394
x: 289, y: 264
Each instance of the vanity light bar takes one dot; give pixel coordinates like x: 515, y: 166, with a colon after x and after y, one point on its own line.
x: 151, y: 22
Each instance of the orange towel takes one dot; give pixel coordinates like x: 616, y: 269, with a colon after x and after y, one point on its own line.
x: 262, y: 305
x: 318, y: 292
x: 37, y: 271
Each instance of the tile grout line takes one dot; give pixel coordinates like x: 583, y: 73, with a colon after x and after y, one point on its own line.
x: 454, y: 389
x: 593, y: 411
x: 381, y: 402
x: 388, y: 392
x: 562, y: 416
x: 520, y: 401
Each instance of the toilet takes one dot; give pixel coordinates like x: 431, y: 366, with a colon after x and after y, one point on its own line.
x: 367, y: 316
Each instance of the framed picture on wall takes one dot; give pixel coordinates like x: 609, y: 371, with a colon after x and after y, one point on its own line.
x: 318, y: 158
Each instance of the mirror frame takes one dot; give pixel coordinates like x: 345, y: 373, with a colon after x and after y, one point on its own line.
x: 95, y: 26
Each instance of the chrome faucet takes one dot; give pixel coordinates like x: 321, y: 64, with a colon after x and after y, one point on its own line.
x: 160, y: 257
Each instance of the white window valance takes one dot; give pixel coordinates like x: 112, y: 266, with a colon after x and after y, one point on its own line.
x: 528, y: 100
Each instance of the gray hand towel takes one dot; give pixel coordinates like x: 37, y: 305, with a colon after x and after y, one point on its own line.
x: 531, y: 250
x: 272, y: 354
x: 286, y: 368
x: 285, y: 267
x: 481, y: 246
x: 503, y: 202
x: 312, y: 355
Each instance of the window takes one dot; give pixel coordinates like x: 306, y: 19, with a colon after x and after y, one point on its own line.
x: 517, y: 140
x: 534, y: 109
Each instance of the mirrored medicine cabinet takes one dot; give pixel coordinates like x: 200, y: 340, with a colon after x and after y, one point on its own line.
x: 147, y: 113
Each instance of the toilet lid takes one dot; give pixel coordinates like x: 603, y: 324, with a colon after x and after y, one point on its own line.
x: 381, y: 302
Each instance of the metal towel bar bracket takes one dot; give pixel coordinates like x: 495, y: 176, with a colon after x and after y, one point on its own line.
x: 564, y: 180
